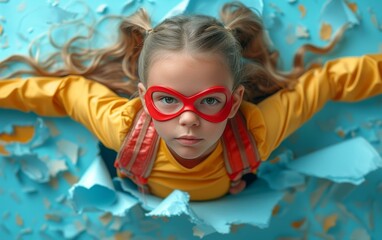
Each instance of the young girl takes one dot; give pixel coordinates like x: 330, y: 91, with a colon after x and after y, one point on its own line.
x: 211, y: 103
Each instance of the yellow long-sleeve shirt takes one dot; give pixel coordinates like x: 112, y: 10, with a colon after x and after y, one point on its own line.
x: 110, y: 116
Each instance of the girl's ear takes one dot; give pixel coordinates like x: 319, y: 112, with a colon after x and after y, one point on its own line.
x: 237, y: 99
x: 142, y: 91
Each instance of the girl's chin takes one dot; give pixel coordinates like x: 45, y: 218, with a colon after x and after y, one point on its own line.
x: 188, y: 158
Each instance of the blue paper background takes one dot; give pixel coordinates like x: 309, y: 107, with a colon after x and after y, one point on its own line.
x: 363, y: 203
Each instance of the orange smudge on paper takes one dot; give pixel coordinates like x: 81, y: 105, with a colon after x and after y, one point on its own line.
x: 329, y: 222
x: 326, y: 31
x: 22, y: 134
x: 53, y: 217
x: 53, y: 182
x: 341, y: 133
x: 298, y: 224
x: 276, y: 210
x: 106, y: 218
x: 353, y: 6
x: 275, y: 160
x: 126, y: 235
x: 70, y: 178
x: 302, y: 10
x: 19, y: 220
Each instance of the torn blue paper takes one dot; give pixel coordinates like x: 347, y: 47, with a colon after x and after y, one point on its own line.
x: 337, y: 14
x: 41, y: 134
x: 32, y: 167
x: 348, y: 161
x: 70, y: 230
x: 69, y: 149
x: 96, y: 182
x: 252, y: 206
x: 276, y: 173
x: 219, y: 215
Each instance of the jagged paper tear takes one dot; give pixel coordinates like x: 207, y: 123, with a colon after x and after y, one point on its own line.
x: 349, y: 161
x: 337, y: 13
x: 252, y: 206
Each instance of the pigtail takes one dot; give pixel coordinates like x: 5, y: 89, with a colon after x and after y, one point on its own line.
x: 260, y: 75
x: 114, y: 66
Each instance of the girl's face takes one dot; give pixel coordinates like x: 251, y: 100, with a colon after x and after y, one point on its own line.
x: 188, y: 135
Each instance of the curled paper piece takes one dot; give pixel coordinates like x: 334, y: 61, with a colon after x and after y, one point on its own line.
x: 345, y: 162
x: 33, y: 167
x: 95, y: 191
x: 337, y: 13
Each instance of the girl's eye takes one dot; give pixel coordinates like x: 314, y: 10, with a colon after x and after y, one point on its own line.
x: 168, y: 100
x: 210, y: 101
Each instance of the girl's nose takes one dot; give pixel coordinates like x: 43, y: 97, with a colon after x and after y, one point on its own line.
x: 189, y: 119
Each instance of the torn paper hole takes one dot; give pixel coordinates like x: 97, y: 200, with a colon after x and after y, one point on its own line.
x: 21, y: 134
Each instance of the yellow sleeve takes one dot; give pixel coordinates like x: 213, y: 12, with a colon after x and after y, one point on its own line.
x: 345, y: 79
x: 104, y: 113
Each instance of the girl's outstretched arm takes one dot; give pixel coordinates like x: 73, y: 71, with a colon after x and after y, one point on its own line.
x: 344, y: 79
x: 103, y: 112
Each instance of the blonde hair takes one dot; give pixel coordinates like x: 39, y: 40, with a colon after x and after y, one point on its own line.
x: 239, y: 38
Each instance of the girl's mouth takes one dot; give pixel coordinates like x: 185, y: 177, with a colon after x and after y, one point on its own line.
x: 188, y: 140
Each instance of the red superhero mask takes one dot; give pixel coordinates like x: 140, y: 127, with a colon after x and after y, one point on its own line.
x: 213, y: 104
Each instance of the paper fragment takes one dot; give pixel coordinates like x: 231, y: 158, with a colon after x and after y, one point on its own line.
x: 96, y: 182
x: 102, y: 9
x: 69, y: 149
x: 70, y: 230
x: 337, y: 13
x: 178, y: 9
x: 337, y: 164
x: 22, y: 134
x: 24, y: 231
x: 302, y: 32
x: 56, y: 166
